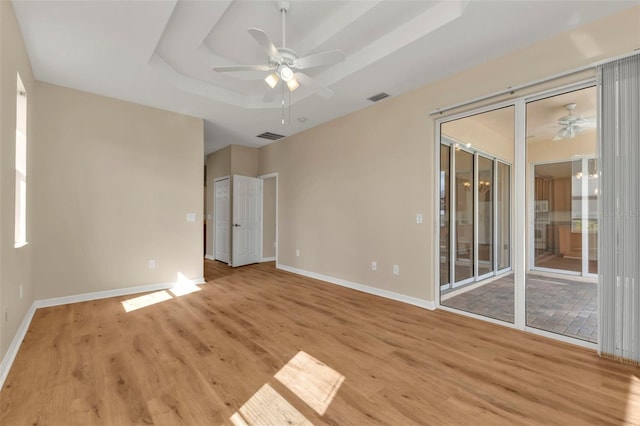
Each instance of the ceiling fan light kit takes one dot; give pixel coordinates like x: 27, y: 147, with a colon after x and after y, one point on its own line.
x: 284, y: 64
x: 272, y: 80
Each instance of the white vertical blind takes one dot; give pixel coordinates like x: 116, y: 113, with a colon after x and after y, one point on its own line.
x: 619, y: 210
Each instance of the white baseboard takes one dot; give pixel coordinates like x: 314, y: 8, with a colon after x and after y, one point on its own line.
x: 85, y: 297
x: 10, y: 356
x: 426, y: 304
x: 268, y: 259
x: 209, y: 257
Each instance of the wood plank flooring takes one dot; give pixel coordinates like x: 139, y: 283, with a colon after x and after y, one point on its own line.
x: 215, y: 356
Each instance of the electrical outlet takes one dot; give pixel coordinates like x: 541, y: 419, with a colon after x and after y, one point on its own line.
x: 374, y: 266
x: 297, y: 253
x: 152, y: 264
x: 191, y: 217
x: 396, y: 270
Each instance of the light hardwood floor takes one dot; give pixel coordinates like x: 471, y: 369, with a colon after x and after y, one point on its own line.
x: 243, y: 349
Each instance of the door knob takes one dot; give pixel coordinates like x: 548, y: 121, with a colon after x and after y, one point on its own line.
x: 236, y: 225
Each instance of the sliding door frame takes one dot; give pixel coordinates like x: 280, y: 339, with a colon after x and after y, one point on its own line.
x: 519, y: 229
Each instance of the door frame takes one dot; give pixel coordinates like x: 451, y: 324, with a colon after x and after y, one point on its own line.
x: 213, y: 215
x: 263, y: 177
x: 519, y: 228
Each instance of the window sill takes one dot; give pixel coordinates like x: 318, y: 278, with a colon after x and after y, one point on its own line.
x: 18, y: 245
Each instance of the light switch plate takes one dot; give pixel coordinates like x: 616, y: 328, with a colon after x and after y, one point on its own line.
x: 396, y: 270
x: 191, y: 217
x: 419, y: 218
x: 374, y: 266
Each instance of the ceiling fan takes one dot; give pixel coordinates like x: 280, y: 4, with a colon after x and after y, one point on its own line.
x: 285, y: 65
x: 571, y: 125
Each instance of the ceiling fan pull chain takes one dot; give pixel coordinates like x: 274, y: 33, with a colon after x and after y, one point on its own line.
x: 289, y: 106
x: 284, y: 14
x: 283, y: 104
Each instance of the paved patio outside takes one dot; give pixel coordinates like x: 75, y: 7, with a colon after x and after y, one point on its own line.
x: 559, y: 305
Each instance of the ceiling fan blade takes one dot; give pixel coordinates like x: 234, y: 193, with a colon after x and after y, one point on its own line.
x: 329, y: 57
x: 264, y: 41
x: 271, y: 94
x: 562, y: 133
x: 305, y: 80
x: 243, y: 68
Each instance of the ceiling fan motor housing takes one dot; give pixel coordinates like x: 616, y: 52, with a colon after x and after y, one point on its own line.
x: 284, y: 5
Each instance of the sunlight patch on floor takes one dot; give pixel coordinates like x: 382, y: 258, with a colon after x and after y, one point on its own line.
x: 146, y: 300
x: 311, y: 380
x: 183, y: 286
x: 266, y: 407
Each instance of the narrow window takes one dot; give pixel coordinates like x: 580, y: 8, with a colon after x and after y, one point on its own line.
x: 21, y: 165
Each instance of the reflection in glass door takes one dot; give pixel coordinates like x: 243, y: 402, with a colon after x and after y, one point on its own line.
x: 565, y: 217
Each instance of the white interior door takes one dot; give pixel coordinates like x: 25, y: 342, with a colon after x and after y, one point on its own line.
x: 247, y: 220
x: 222, y: 211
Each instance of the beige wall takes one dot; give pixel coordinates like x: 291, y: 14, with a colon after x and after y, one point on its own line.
x: 583, y: 144
x: 15, y: 263
x: 349, y: 190
x: 244, y: 161
x: 115, y: 182
x: 269, y: 217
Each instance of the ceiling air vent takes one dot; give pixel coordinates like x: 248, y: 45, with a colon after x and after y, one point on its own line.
x: 270, y: 136
x: 380, y: 96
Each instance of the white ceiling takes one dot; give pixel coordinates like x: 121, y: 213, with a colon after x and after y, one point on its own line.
x: 160, y: 53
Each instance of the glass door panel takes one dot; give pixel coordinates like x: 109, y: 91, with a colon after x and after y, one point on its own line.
x: 445, y: 213
x: 478, y: 207
x: 485, y: 188
x: 592, y: 216
x: 464, y: 244
x: 561, y: 293
x: 503, y: 216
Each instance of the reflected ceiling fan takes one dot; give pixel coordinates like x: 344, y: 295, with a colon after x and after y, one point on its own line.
x: 285, y: 65
x: 571, y: 125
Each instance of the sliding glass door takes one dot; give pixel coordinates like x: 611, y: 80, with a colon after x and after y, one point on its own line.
x: 561, y: 293
x: 539, y: 218
x: 475, y: 214
x: 464, y: 246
